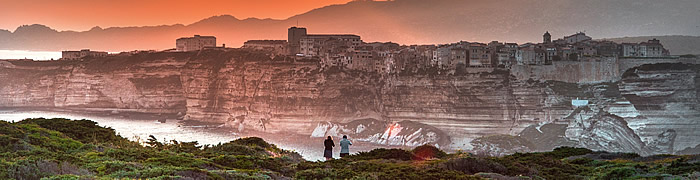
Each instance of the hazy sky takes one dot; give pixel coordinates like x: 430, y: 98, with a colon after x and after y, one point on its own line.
x: 84, y: 14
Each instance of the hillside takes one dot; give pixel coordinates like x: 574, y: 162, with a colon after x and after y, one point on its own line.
x: 678, y: 45
x: 67, y: 149
x: 402, y: 21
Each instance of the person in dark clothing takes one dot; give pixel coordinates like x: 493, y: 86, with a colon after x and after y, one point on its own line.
x: 328, y: 153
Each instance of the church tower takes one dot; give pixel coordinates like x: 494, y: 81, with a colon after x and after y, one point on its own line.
x: 547, y: 38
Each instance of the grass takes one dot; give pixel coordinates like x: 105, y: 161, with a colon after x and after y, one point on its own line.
x: 67, y: 149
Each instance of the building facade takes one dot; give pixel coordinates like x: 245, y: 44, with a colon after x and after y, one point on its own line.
x: 294, y: 35
x: 273, y: 46
x: 651, y: 48
x: 312, y: 45
x: 576, y: 38
x: 195, y: 43
x: 75, y: 55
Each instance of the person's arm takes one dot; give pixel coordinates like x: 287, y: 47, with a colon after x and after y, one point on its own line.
x: 350, y: 142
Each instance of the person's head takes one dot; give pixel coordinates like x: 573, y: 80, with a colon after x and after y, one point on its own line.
x: 345, y: 137
x: 330, y: 138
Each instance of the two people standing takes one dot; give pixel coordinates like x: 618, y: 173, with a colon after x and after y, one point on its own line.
x: 329, y: 144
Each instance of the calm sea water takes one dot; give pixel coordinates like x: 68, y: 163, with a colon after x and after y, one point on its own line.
x: 139, y: 129
x: 36, y: 55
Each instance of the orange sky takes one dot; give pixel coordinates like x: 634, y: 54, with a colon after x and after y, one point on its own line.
x: 82, y: 15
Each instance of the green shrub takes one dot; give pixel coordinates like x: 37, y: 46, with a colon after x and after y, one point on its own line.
x: 109, y: 167
x: 472, y: 165
x: 428, y: 152
x: 177, y: 160
x: 237, y: 161
x: 381, y: 153
x: 620, y: 173
x: 62, y: 177
x: 253, y: 141
x: 581, y: 161
x: 130, y: 154
x: 681, y: 166
x: 563, y: 152
x: 319, y: 173
x: 85, y: 131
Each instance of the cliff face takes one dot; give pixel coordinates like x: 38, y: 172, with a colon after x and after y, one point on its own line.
x: 247, y: 91
x: 109, y: 84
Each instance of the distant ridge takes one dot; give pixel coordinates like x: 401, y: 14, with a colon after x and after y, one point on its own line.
x: 401, y: 21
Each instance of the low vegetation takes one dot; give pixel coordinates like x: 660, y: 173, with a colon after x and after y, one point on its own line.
x: 67, y: 149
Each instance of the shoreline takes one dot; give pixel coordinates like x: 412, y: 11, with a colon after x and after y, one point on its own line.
x: 309, y: 147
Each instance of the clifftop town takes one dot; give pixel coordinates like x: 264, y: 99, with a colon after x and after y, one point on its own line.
x: 495, y: 97
x: 348, y: 51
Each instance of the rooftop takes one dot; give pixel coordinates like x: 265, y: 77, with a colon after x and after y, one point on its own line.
x: 196, y: 37
x: 331, y: 35
x: 265, y: 41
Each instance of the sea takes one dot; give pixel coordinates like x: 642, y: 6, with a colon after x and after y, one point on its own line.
x: 139, y: 128
x: 35, y: 55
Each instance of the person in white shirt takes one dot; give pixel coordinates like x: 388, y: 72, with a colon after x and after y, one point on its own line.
x: 345, y: 146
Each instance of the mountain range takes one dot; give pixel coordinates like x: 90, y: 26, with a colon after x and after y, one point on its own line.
x: 401, y: 21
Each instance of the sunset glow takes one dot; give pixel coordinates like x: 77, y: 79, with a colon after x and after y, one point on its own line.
x: 349, y: 89
x: 82, y: 15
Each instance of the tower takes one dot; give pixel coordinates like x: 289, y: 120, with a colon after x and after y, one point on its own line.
x: 294, y: 35
x: 547, y: 38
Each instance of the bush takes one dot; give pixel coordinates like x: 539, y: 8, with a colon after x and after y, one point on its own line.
x: 85, y: 131
x: 471, y: 165
x: 620, y: 173
x: 680, y: 166
x: 381, y: 153
x: 109, y: 167
x: 564, y: 152
x: 428, y: 152
x: 319, y: 173
x: 62, y: 177
x: 253, y: 141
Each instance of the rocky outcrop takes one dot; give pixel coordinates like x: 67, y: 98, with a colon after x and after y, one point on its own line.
x: 652, y: 110
x: 500, y: 145
x: 666, y: 97
x: 404, y: 133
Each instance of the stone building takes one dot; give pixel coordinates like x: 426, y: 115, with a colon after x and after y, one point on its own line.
x: 75, y: 55
x: 479, y: 55
x: 547, y: 38
x: 294, y: 35
x: 607, y: 49
x: 441, y: 56
x: 576, y: 38
x: 195, y: 43
x: 458, y: 56
x: 530, y: 55
x: 312, y: 44
x: 651, y: 48
x: 274, y: 46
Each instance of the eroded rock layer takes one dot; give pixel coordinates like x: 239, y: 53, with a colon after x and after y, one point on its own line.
x: 652, y: 109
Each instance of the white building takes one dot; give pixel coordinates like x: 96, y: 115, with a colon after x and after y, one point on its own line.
x: 75, y: 55
x: 575, y: 38
x: 651, y: 48
x: 195, y: 43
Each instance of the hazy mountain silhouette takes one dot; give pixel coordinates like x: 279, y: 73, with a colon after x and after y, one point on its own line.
x: 402, y: 21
